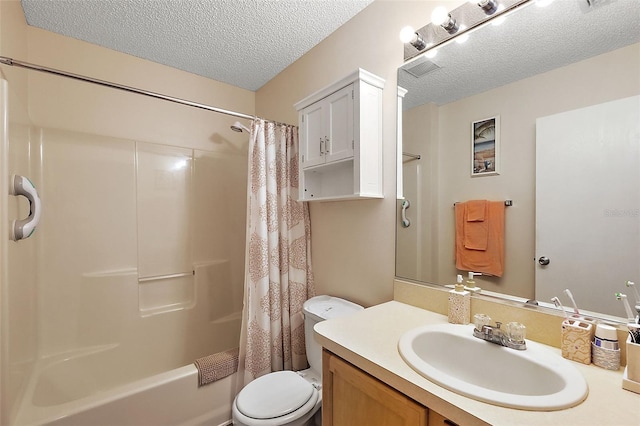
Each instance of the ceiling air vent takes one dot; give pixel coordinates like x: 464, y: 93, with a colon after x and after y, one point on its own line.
x: 421, y: 67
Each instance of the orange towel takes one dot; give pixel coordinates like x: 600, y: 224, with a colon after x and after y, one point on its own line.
x: 476, y: 228
x: 476, y: 210
x: 491, y: 260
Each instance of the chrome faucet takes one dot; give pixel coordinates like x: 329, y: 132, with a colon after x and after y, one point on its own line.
x: 513, y: 338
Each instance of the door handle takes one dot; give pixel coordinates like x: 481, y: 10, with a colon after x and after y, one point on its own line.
x: 544, y: 261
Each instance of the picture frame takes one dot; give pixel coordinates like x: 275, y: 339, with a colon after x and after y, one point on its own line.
x: 485, y: 147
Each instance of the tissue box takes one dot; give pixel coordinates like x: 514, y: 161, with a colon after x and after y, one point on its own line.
x: 576, y: 340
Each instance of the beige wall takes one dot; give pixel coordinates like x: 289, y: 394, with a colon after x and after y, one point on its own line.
x: 353, y: 242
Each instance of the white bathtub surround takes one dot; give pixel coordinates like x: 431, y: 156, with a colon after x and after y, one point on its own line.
x: 172, y: 399
x: 95, y: 325
x: 278, y: 277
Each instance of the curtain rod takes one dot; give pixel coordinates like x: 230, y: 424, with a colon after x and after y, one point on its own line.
x: 16, y: 63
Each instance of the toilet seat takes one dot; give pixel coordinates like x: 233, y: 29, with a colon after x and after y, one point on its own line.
x: 275, y: 399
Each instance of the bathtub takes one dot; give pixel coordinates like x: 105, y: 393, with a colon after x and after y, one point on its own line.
x: 60, y: 395
x: 145, y: 376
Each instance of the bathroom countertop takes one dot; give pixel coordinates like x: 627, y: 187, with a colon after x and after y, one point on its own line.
x: 368, y: 340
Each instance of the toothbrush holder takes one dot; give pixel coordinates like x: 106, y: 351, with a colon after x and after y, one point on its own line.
x: 576, y: 338
x: 633, y: 360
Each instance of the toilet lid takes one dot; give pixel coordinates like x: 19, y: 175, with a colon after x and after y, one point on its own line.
x: 274, y: 395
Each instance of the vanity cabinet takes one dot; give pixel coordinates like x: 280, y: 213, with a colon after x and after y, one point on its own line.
x: 341, y: 140
x: 352, y: 397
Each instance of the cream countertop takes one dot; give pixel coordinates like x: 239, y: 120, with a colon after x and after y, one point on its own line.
x: 368, y: 340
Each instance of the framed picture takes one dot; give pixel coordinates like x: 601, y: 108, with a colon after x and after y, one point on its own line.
x: 485, y: 147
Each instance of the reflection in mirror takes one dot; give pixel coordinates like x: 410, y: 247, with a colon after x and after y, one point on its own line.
x: 539, y: 64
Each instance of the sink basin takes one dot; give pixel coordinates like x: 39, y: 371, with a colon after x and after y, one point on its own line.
x: 533, y: 379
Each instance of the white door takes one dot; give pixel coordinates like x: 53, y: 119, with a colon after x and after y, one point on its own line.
x: 339, y: 137
x: 588, y: 203
x: 312, y: 134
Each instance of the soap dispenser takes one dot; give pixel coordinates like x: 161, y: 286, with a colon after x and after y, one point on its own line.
x: 459, y: 304
x: 471, y: 283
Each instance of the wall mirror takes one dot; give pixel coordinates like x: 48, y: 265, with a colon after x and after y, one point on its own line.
x: 543, y: 71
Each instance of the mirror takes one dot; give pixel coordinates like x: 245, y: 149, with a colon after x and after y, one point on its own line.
x: 540, y: 62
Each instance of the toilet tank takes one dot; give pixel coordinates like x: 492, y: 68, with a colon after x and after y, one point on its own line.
x: 318, y: 309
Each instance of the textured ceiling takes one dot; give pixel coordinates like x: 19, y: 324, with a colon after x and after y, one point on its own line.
x: 241, y: 42
x: 531, y: 41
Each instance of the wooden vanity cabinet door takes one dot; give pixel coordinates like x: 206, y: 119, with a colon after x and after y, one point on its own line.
x: 437, y: 419
x: 351, y: 397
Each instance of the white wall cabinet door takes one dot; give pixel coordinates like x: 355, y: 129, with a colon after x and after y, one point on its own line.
x: 339, y: 123
x: 327, y: 129
x: 312, y: 135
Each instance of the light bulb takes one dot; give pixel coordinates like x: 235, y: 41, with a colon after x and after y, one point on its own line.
x: 488, y: 6
x: 431, y: 53
x: 407, y: 34
x: 440, y: 15
x: 462, y: 38
x: 500, y: 19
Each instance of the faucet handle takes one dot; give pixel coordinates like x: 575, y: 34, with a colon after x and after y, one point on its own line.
x: 516, y: 332
x: 480, y: 320
x: 498, y: 324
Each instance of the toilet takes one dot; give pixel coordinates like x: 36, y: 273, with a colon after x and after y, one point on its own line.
x: 286, y: 397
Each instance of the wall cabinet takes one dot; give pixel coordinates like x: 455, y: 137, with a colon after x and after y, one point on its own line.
x: 341, y: 140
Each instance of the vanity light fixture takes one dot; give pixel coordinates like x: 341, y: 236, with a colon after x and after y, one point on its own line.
x: 440, y: 16
x: 488, y: 6
x: 409, y: 35
x: 469, y: 16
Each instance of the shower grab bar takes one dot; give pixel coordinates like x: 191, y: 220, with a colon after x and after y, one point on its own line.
x: 165, y: 277
x: 23, y: 228
x: 405, y: 220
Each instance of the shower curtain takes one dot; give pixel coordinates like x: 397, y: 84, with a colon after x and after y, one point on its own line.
x: 278, y: 275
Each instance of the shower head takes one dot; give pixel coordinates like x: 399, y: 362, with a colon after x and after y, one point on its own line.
x: 239, y: 127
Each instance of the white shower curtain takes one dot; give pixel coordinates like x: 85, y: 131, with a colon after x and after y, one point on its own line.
x: 278, y: 276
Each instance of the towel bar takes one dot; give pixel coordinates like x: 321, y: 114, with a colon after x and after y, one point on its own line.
x: 415, y: 156
x: 507, y: 203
